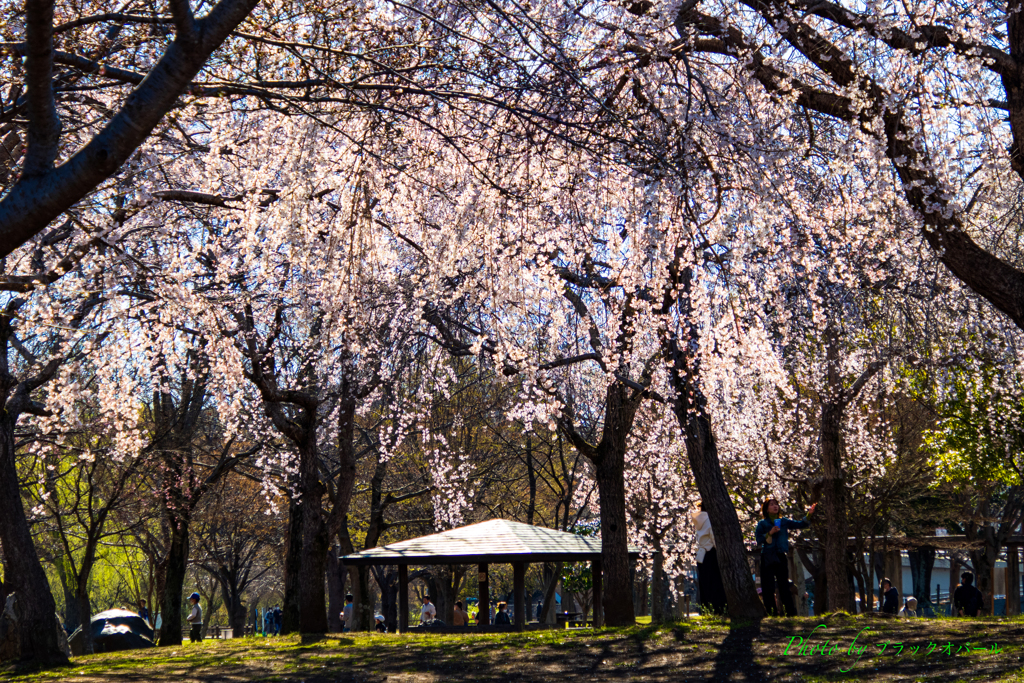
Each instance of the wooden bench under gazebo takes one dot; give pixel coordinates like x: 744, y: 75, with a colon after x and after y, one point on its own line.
x: 497, y: 541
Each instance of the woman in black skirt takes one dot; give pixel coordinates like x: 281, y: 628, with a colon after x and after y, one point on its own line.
x: 709, y: 578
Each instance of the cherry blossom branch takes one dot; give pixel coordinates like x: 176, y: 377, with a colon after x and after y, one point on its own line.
x: 943, y: 228
x: 26, y: 283
x: 42, y: 193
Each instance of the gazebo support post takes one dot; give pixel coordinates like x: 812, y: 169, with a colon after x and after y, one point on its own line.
x: 598, y: 581
x: 484, y: 614
x: 403, y: 598
x: 519, y: 593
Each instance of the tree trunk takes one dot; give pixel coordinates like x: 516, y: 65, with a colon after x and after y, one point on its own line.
x: 609, y: 468
x: 954, y: 581
x: 531, y: 477
x: 796, y: 573
x: 362, y: 605
x: 174, y: 579
x: 659, y: 589
x: 24, y: 574
x: 702, y: 452
x: 640, y: 589
x: 292, y: 561
x: 552, y: 574
x: 387, y: 581
x: 834, y: 504
x: 335, y: 590
x: 337, y: 523
x: 921, y: 562
x: 984, y: 560
x: 82, y: 602
x: 232, y: 595
x: 315, y: 543
x: 1012, y: 581
x: 860, y: 588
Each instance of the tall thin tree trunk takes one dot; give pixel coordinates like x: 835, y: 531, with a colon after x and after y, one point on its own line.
x: 292, y: 560
x: 531, y: 476
x: 834, y: 500
x: 921, y: 562
x: 609, y: 469
x: 315, y: 543
x: 174, y: 580
x: 690, y: 408
x: 335, y: 590
x: 659, y: 588
x: 702, y: 452
x: 834, y: 504
x: 24, y: 574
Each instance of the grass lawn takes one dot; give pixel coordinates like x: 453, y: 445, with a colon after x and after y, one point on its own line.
x: 945, y: 650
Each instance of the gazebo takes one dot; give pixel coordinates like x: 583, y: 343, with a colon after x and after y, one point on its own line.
x: 497, y: 541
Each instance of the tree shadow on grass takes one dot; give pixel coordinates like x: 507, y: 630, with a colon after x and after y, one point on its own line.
x: 736, y: 659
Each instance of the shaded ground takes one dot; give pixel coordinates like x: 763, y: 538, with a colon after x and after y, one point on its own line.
x: 772, y: 650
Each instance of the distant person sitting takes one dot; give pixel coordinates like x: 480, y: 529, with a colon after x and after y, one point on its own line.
x: 502, y: 616
x: 909, y: 608
x: 967, y: 599
x: 459, y: 617
x: 428, y: 612
x: 379, y: 626
x: 890, y: 598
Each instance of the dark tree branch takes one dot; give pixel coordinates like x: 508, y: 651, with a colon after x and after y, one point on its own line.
x: 44, y: 124
x: 184, y: 21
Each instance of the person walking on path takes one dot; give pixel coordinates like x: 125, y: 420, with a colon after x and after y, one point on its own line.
x: 195, y: 617
x: 709, y: 577
x: 967, y: 599
x: 773, y: 540
x: 890, y: 598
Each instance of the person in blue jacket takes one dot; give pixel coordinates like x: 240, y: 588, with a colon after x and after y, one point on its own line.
x: 773, y: 541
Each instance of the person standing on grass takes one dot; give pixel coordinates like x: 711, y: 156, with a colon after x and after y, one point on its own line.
x: 346, y: 614
x: 709, y: 577
x: 890, y: 598
x: 195, y: 617
x: 773, y: 541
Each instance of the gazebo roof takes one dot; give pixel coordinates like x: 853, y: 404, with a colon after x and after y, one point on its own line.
x: 497, y: 541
